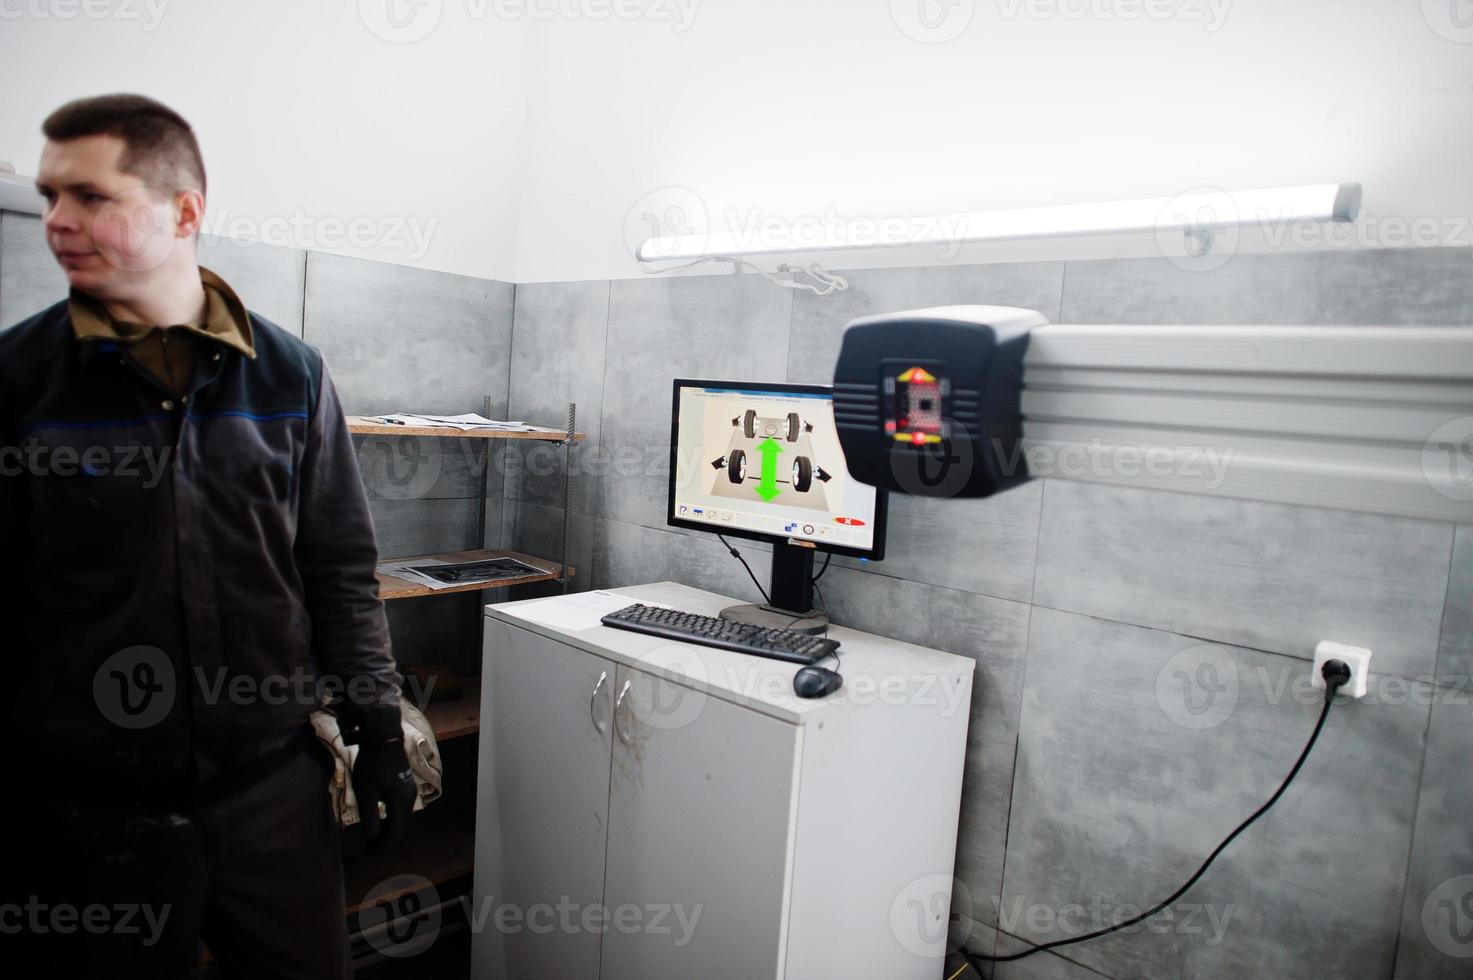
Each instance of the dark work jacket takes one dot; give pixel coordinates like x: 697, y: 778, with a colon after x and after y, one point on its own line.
x: 177, y: 575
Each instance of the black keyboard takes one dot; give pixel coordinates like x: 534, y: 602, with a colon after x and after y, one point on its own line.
x: 789, y: 645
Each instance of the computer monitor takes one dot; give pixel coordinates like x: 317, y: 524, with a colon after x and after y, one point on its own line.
x: 763, y: 461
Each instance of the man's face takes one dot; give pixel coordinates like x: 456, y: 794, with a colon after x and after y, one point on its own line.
x: 107, y: 229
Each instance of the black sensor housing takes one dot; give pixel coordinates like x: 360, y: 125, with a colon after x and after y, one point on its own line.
x: 927, y: 402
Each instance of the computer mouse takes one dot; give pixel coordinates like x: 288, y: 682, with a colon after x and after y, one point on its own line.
x: 816, y: 682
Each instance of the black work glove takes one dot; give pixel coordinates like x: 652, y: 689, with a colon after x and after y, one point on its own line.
x: 381, y: 774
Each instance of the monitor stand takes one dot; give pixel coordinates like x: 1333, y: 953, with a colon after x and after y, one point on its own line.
x: 791, y: 591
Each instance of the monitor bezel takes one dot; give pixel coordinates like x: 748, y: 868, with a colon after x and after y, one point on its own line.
x: 882, y: 497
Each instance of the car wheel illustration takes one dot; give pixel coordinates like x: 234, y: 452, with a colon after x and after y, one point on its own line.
x: 793, y: 426
x: 736, y: 466
x: 749, y: 424
x: 802, y: 474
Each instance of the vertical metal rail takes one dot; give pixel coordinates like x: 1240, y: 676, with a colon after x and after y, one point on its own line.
x: 485, y: 497
x: 567, y: 491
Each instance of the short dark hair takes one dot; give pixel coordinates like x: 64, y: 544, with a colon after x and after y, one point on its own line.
x: 161, y: 147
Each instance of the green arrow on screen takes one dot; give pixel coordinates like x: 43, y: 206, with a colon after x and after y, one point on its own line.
x: 769, y: 449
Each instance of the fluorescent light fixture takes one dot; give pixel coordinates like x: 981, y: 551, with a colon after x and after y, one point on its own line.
x: 1197, y: 213
x: 19, y: 194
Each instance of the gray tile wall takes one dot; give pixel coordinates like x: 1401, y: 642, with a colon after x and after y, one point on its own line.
x: 30, y: 279
x: 1142, y: 657
x: 403, y: 339
x: 557, y: 358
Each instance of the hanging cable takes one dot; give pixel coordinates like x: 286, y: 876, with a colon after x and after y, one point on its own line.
x: 738, y: 556
x: 824, y: 281
x: 1336, y: 675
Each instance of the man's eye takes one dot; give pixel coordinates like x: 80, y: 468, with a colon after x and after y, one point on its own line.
x: 94, y: 198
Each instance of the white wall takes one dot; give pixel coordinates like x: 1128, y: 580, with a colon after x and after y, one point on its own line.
x: 523, y: 143
x: 312, y: 126
x: 798, y: 109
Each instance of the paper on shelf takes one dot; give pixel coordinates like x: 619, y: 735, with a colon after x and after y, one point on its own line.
x: 462, y: 422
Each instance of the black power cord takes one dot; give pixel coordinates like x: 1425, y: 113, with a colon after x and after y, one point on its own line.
x: 1336, y: 675
x: 738, y: 556
x: 828, y: 557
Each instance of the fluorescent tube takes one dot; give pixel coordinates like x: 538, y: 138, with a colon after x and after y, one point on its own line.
x: 1198, y: 210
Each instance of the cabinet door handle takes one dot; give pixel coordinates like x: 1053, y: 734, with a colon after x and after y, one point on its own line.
x: 619, y: 703
x: 593, y: 702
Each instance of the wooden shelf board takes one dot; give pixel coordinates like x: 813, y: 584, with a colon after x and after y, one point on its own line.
x: 360, y: 425
x: 393, y: 587
x: 452, y: 719
x: 439, y: 847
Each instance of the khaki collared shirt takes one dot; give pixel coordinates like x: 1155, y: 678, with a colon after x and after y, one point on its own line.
x: 170, y: 352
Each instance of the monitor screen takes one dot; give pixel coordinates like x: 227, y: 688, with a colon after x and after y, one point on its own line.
x: 764, y: 461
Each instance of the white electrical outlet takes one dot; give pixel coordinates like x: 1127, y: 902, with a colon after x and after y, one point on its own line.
x: 1358, y: 659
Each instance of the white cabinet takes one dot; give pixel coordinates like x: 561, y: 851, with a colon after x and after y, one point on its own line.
x: 546, y: 717
x: 699, y: 812
x: 654, y: 810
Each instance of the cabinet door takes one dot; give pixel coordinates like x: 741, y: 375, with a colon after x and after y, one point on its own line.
x: 542, y: 815
x: 701, y: 805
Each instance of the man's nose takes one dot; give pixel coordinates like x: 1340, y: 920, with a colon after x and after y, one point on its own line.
x: 62, y: 216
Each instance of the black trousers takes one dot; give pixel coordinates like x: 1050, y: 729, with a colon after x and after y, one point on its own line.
x: 113, y: 890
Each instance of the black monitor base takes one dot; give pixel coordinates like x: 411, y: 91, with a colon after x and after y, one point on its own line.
x: 791, y: 592
x: 772, y: 617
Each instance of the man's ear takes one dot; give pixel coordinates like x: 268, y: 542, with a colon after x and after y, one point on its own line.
x: 189, y: 206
